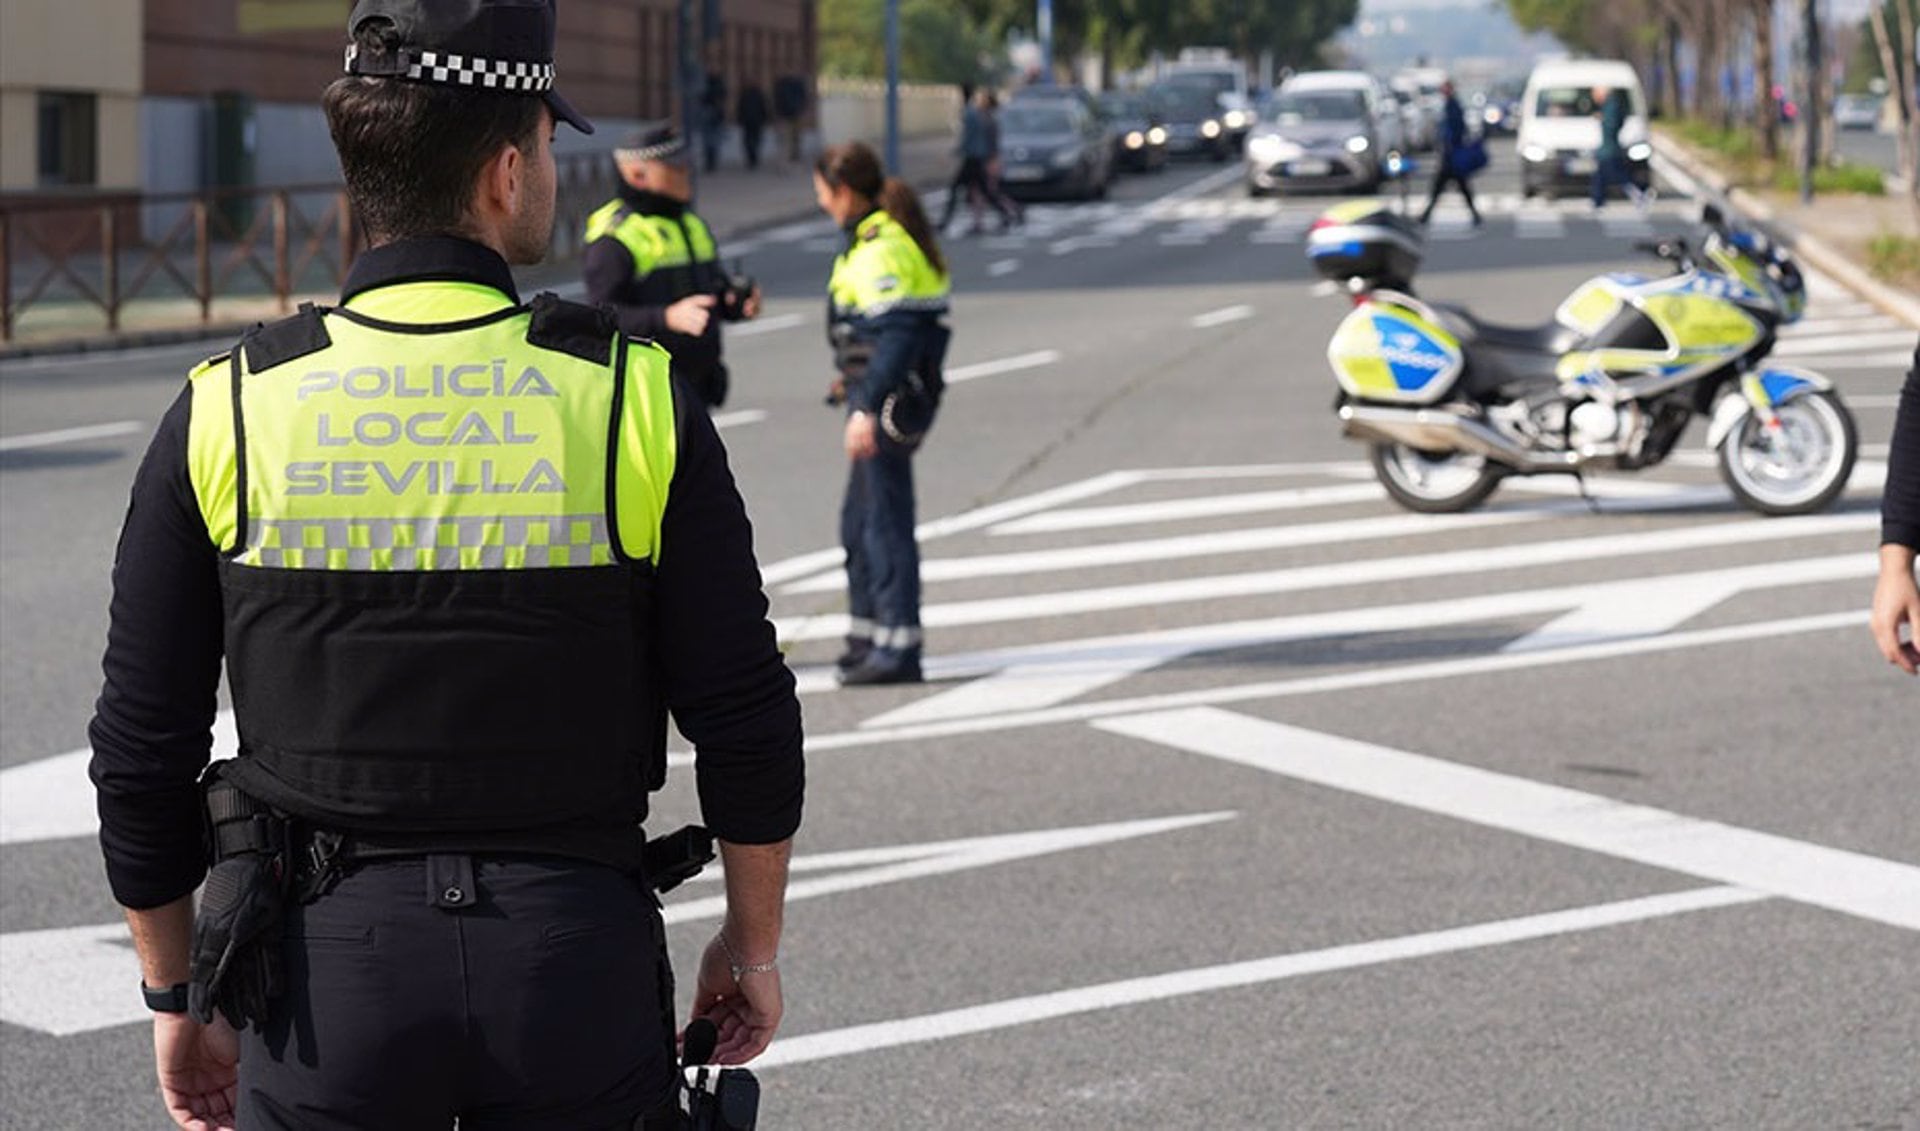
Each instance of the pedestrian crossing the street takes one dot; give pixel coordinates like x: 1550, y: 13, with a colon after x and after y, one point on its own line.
x: 1067, y: 228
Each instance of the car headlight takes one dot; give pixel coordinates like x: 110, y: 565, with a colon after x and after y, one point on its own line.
x: 1267, y: 147
x: 1210, y: 128
x: 1493, y: 115
x: 1640, y: 152
x: 1136, y: 139
x: 1157, y: 136
x: 1067, y: 158
x: 1358, y: 145
x: 1535, y: 153
x: 1236, y: 119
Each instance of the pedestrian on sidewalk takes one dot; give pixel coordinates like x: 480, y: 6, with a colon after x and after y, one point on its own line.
x: 888, y: 301
x: 426, y: 903
x: 653, y: 261
x: 1454, y: 158
x: 790, y: 106
x: 1896, y: 598
x: 751, y: 113
x: 1610, y: 160
x: 713, y: 119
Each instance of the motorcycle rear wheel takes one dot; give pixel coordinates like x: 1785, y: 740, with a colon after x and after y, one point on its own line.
x: 1798, y: 471
x: 1435, y: 482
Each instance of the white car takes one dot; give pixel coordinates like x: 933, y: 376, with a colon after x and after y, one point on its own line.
x: 1559, y: 138
x: 1324, y: 130
x: 1857, y: 111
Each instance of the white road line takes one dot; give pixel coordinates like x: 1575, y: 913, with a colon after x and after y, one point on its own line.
x: 1845, y: 343
x: 1370, y: 679
x: 1297, y: 579
x: 958, y: 856
x: 1038, y: 677
x: 1029, y: 562
x: 770, y: 325
x: 996, y: 367
x: 791, y: 569
x: 1133, y: 514
x: 1889, y: 400
x: 1220, y: 317
x: 1853, y: 883
x: 71, y: 435
x: 1898, y: 362
x: 1812, y: 327
x: 1002, y: 267
x: 725, y: 420
x: 72, y: 979
x: 856, y: 1039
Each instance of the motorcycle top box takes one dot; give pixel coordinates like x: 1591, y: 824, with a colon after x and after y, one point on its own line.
x: 1364, y: 244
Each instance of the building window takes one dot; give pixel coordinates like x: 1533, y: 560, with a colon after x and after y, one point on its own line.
x: 69, y: 138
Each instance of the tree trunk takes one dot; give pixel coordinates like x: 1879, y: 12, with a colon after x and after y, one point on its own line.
x: 1769, y: 120
x: 1910, y: 122
x: 1896, y: 82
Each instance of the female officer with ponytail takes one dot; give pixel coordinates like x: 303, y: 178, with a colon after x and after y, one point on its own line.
x: 886, y: 301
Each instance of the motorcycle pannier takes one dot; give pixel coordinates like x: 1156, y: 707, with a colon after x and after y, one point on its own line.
x: 1365, y: 240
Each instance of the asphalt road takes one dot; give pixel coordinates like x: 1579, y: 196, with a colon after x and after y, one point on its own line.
x: 1238, y: 797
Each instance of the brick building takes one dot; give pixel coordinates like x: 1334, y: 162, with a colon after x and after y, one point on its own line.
x: 178, y: 94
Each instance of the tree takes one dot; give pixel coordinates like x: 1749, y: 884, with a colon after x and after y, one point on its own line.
x: 939, y: 41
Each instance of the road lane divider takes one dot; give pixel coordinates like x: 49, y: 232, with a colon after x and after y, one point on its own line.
x: 1221, y: 317
x: 995, y: 368
x: 71, y: 435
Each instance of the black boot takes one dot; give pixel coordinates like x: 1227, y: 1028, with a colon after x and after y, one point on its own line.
x: 858, y: 649
x: 882, y: 666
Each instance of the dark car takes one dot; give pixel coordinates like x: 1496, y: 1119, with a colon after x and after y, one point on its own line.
x: 1140, y: 139
x: 1193, y: 122
x: 1054, y: 147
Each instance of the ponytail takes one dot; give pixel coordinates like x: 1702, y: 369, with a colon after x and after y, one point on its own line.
x: 903, y: 204
x: 857, y: 166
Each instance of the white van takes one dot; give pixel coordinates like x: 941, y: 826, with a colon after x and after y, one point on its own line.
x: 1560, y: 125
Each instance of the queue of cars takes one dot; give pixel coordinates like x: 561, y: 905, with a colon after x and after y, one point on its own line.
x: 1342, y: 131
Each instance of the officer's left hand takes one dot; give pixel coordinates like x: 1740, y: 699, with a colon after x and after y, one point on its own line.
x: 750, y: 308
x: 746, y: 1012
x: 199, y: 1067
x: 863, y: 436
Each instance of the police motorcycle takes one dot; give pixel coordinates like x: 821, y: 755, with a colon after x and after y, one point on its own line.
x: 1451, y: 404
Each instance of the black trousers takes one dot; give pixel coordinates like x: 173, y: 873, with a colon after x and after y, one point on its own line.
x: 972, y: 177
x: 512, y: 993
x: 1441, y: 179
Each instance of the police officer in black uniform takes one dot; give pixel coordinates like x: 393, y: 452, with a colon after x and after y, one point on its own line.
x: 461, y: 556
x: 654, y: 261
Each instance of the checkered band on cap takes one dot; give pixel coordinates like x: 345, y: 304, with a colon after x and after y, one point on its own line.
x: 468, y: 70
x: 673, y: 147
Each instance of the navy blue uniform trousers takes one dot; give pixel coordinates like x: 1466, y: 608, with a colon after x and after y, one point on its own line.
x: 525, y: 993
x: 876, y: 530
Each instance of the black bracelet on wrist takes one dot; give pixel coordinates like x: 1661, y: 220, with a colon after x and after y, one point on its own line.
x: 173, y: 999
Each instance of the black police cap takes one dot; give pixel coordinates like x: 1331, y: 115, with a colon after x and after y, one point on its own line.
x: 658, y: 142
x: 498, y: 45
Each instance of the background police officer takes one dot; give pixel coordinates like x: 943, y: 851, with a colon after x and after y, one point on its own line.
x: 460, y: 556
x: 654, y: 261
x: 888, y: 302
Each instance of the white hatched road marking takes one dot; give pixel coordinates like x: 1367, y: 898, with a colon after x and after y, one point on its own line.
x: 1221, y: 317
x: 806, y: 1048
x: 1853, y: 883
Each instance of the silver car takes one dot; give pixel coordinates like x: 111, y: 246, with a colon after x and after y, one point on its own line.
x: 1315, y: 139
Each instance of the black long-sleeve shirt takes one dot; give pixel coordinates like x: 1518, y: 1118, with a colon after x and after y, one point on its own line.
x: 639, y: 301
x: 1900, y: 505
x: 724, y: 679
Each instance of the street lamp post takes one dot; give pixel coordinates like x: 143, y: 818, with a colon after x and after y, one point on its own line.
x: 893, y: 86
x: 1044, y: 21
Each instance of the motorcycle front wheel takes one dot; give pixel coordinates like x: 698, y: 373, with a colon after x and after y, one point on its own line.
x: 1798, y: 468
x: 1435, y: 482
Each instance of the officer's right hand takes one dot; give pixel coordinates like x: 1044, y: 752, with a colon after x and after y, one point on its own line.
x: 199, y: 1068
x: 690, y: 315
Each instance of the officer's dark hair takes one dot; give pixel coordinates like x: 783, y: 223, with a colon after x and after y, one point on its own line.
x: 411, y: 151
x: 855, y: 165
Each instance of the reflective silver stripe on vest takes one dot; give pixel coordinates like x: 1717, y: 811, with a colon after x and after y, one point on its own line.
x: 450, y: 543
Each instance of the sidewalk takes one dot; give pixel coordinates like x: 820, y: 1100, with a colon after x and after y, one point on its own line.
x: 735, y: 202
x: 1831, y: 234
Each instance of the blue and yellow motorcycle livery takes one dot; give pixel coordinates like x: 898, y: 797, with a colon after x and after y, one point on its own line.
x: 1451, y: 404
